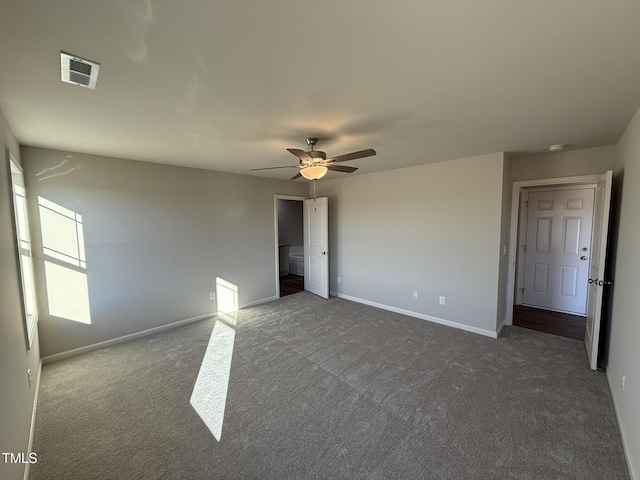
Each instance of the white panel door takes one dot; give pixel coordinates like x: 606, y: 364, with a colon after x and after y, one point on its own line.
x: 316, y: 246
x: 558, y: 249
x: 596, y: 271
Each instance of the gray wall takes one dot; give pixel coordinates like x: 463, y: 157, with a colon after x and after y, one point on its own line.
x: 16, y: 398
x: 625, y: 327
x: 290, y: 222
x: 156, y: 238
x: 434, y: 229
x: 586, y: 161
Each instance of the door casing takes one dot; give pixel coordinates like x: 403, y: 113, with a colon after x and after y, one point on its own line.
x: 276, y: 242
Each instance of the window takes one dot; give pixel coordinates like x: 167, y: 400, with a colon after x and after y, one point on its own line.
x: 23, y: 252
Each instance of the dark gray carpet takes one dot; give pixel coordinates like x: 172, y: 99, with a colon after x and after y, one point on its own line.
x: 332, y: 389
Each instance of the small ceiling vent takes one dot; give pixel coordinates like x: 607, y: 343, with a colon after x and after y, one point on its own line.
x: 78, y: 71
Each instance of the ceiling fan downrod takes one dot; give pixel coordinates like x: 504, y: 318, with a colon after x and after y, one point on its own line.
x: 311, y: 141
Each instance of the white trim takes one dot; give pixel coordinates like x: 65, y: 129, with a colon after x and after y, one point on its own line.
x: 612, y: 385
x: 258, y: 302
x: 33, y: 419
x: 513, y: 227
x: 277, y: 197
x: 499, y: 330
x: 30, y: 321
x: 429, y: 318
x: 125, y: 338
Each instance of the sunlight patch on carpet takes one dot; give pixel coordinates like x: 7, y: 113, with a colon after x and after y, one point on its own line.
x: 210, y: 390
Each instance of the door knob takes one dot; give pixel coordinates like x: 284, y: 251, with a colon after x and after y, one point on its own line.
x: 583, y: 257
x: 584, y: 249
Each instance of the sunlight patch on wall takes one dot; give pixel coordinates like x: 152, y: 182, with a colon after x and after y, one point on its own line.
x: 209, y: 395
x: 62, y: 233
x: 65, y: 262
x: 68, y: 293
x: 227, y: 296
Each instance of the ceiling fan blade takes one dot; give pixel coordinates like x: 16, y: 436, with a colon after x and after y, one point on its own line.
x: 352, y: 156
x: 272, y: 168
x: 301, y: 154
x: 341, y: 168
x: 297, y: 175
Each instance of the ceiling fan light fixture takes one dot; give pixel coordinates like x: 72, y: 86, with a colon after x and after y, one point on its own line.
x: 314, y: 172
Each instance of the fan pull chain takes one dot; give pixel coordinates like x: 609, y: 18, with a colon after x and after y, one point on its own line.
x: 314, y: 189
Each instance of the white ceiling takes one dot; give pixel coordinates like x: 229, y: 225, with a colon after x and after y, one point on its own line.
x: 229, y: 84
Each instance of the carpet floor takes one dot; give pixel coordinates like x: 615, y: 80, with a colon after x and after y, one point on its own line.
x: 331, y: 389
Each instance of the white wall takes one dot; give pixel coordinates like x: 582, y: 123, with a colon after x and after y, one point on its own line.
x: 434, y: 229
x: 586, y: 161
x: 156, y: 238
x: 290, y: 222
x: 625, y: 323
x: 16, y: 397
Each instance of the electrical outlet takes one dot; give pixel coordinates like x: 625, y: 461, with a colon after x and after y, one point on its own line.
x: 212, y: 295
x: 622, y: 381
x: 339, y: 280
x: 443, y: 301
x: 415, y: 295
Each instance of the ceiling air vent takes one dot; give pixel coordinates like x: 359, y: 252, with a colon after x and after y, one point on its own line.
x: 78, y: 71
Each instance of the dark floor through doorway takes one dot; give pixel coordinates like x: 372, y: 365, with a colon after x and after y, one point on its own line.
x: 557, y: 323
x: 291, y: 284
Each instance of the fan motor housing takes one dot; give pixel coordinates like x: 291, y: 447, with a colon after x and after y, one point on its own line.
x: 317, y: 155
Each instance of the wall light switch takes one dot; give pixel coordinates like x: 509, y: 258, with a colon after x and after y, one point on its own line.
x: 212, y: 295
x: 339, y: 280
x: 442, y: 301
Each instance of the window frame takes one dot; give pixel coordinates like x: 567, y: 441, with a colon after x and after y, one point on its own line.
x: 23, y: 248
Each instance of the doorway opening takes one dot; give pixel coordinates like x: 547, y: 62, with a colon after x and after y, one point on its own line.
x: 597, y: 277
x: 289, y: 244
x: 554, y: 249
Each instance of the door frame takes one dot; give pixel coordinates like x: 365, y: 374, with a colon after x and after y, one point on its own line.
x: 516, y: 190
x: 277, y: 197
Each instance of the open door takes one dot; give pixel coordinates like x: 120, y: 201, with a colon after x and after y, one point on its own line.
x: 316, y: 246
x: 596, y: 271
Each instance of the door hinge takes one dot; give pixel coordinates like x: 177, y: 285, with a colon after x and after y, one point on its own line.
x: 522, y: 290
x: 524, y: 248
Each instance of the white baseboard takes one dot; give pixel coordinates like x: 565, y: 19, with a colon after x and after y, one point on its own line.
x: 258, y: 302
x: 143, y: 333
x: 499, y: 331
x: 33, y: 420
x: 429, y: 318
x: 612, y: 385
x: 125, y: 338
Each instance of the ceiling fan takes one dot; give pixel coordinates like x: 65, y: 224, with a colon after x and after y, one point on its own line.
x: 314, y: 163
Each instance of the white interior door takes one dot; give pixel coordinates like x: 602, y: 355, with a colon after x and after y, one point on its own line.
x: 596, y: 272
x: 558, y: 249
x: 316, y: 246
